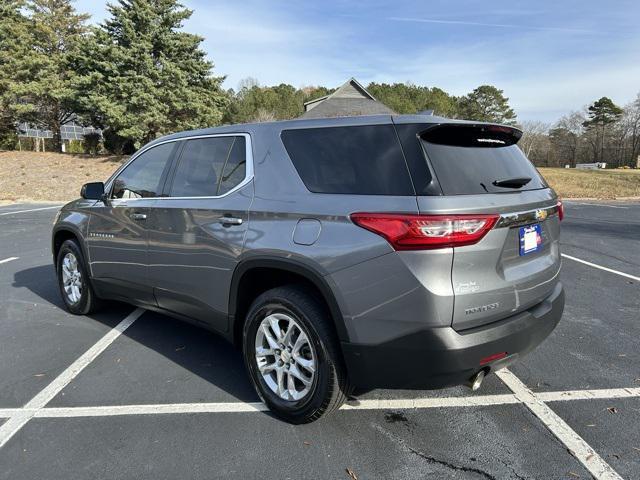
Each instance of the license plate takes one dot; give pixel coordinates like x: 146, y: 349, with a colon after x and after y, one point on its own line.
x: 530, y: 239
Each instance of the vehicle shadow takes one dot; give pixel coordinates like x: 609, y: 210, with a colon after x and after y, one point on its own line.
x: 185, y: 346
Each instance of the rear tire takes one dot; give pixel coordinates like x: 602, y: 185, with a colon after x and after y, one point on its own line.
x: 319, y: 383
x: 73, y: 280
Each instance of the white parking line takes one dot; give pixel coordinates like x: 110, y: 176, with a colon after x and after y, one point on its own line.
x: 371, y: 404
x: 107, y: 411
x: 603, y: 394
x: 10, y: 259
x: 597, y: 205
x: 239, y: 407
x: 600, y: 267
x: 575, y: 444
x: 15, y: 423
x: 30, y: 210
x: 437, y: 402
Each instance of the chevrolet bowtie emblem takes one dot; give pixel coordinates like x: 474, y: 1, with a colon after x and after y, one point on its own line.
x: 541, y: 214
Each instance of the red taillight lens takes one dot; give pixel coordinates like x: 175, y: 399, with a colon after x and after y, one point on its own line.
x: 560, y: 210
x: 419, y: 232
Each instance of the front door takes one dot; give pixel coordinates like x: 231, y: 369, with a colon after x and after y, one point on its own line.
x: 196, y: 233
x: 117, y: 236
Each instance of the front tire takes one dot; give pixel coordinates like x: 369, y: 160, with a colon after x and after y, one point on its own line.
x: 73, y: 280
x: 292, y: 355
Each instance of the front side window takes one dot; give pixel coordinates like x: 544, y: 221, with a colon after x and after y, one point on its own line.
x: 210, y: 167
x: 142, y: 177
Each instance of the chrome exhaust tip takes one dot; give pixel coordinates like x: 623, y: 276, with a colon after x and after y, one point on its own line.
x: 475, y: 382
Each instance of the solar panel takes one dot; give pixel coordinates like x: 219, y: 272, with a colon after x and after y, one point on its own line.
x: 69, y: 131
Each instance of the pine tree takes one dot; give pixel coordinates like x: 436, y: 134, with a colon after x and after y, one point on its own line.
x: 602, y: 113
x: 40, y: 90
x: 15, y: 67
x: 144, y: 77
x: 487, y: 104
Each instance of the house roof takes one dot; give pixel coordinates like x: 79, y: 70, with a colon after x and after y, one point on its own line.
x: 351, y: 98
x: 343, y: 91
x: 347, y: 107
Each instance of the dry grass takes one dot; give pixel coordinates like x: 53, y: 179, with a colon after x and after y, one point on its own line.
x: 31, y: 176
x: 606, y: 184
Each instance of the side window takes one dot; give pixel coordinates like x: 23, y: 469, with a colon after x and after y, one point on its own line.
x: 365, y: 160
x: 209, y: 167
x: 142, y: 177
x: 236, y: 167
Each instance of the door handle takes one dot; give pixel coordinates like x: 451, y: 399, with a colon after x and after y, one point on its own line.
x: 138, y: 216
x: 229, y: 221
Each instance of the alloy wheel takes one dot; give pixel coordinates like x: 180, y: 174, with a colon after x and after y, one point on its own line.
x: 72, y: 278
x: 285, y: 357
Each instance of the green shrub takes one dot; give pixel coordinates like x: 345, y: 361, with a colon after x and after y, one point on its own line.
x: 92, y: 143
x: 75, y: 146
x: 8, y: 140
x: 116, y: 144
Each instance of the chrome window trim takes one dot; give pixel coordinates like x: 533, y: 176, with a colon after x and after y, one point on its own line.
x: 248, y: 176
x: 526, y: 217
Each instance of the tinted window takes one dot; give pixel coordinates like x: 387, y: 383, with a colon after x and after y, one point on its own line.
x: 360, y: 160
x: 468, y: 160
x: 209, y: 167
x: 420, y: 174
x: 142, y: 177
x: 235, y: 168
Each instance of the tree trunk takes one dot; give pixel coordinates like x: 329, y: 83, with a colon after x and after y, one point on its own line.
x: 57, y: 137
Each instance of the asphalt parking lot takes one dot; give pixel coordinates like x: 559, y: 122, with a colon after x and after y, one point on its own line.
x: 133, y: 394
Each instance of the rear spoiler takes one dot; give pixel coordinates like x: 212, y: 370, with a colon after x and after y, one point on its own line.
x: 471, y: 135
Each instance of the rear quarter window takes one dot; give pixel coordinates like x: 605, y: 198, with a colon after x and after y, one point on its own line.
x: 364, y: 160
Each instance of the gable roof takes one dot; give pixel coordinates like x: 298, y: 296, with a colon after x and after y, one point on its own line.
x: 347, y: 107
x: 351, y: 98
x: 344, y: 91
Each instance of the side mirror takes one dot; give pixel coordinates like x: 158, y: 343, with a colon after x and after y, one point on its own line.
x: 92, y: 191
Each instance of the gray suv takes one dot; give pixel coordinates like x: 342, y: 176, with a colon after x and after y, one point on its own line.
x: 341, y: 255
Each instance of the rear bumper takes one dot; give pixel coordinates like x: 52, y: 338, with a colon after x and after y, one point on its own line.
x: 442, y: 357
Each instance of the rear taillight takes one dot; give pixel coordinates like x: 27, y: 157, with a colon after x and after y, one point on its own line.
x: 419, y: 232
x: 560, y: 210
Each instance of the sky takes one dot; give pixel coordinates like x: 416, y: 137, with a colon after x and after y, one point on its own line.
x: 549, y: 56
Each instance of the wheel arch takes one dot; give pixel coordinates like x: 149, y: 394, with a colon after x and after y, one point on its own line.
x: 276, y: 271
x: 60, y: 235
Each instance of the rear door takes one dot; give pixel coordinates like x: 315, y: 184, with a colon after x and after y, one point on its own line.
x: 480, y: 169
x: 197, y: 230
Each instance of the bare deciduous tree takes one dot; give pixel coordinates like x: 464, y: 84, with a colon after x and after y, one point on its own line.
x: 264, y: 116
x: 534, y: 136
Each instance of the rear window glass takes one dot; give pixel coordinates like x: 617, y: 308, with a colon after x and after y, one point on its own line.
x: 470, y: 161
x: 365, y: 160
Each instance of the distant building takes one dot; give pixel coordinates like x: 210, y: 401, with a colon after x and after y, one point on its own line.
x: 349, y: 100
x: 591, y: 166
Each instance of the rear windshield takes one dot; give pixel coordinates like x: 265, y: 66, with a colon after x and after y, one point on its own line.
x: 364, y: 160
x: 472, y: 160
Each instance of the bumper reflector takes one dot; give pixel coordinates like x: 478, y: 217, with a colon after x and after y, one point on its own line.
x: 493, y: 358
